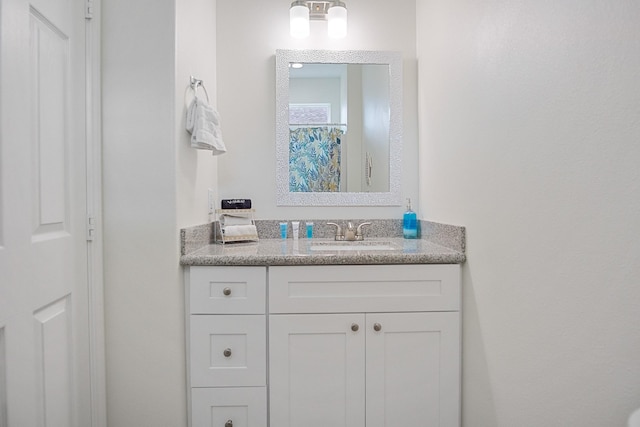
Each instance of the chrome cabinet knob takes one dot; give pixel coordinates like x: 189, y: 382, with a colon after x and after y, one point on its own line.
x: 229, y: 423
x: 226, y: 291
x: 227, y: 352
x: 377, y: 327
x: 355, y: 327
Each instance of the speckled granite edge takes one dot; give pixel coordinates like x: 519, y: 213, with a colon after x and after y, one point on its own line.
x: 270, y: 229
x: 449, y: 236
x: 194, y: 238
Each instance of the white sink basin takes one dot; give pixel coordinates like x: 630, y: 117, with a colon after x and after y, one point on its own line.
x: 352, y: 246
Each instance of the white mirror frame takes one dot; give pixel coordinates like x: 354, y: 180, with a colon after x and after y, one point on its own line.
x: 286, y: 198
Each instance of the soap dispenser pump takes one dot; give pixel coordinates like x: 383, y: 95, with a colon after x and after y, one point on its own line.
x: 410, y: 223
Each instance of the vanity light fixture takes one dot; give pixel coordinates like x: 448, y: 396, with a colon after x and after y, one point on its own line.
x: 302, y: 11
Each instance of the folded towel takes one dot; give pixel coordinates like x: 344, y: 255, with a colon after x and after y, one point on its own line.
x: 248, y: 231
x: 230, y: 219
x: 203, y: 122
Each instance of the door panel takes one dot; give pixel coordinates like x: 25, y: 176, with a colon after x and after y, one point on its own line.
x: 53, y: 365
x: 49, y: 56
x: 316, y: 370
x: 412, y: 360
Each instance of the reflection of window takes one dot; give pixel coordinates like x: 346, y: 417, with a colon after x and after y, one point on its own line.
x: 310, y: 114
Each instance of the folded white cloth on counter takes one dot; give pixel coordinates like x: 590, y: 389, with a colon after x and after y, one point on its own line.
x: 248, y: 231
x: 230, y: 219
x: 203, y: 123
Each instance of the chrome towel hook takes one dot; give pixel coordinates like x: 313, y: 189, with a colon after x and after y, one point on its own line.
x: 195, y: 84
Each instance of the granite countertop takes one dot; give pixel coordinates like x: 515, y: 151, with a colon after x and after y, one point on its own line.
x: 440, y: 244
x: 290, y: 252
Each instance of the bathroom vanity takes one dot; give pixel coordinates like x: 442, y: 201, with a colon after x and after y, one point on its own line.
x: 282, y: 335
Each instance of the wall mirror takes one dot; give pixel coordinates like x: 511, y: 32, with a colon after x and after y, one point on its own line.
x: 338, y: 128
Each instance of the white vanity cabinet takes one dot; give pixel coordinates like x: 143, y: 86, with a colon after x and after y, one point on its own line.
x: 356, y: 346
x: 227, y: 334
x: 348, y: 345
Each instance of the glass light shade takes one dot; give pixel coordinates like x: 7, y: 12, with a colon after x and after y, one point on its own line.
x: 299, y: 21
x: 337, y: 25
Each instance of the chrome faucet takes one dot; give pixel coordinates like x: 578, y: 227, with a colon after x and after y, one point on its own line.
x: 351, y: 234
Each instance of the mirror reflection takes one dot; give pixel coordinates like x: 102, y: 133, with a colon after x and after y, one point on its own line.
x: 338, y: 127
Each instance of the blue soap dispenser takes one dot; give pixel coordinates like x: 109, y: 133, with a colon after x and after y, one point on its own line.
x: 410, y: 223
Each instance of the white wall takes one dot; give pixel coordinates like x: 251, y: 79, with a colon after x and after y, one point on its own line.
x: 154, y: 184
x: 530, y: 137
x: 315, y: 91
x: 248, y: 38
x: 195, y: 56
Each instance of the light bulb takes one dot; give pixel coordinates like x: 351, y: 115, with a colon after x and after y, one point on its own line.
x: 299, y: 20
x: 337, y: 25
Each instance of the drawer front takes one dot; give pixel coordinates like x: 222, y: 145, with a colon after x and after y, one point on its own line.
x: 227, y: 290
x: 227, y: 350
x: 229, y: 407
x: 364, y: 288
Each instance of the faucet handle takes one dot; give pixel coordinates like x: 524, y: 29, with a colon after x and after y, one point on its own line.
x: 359, y: 230
x: 338, y: 230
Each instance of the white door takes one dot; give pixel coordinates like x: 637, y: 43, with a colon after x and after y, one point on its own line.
x: 44, y: 338
x: 413, y: 369
x: 316, y: 370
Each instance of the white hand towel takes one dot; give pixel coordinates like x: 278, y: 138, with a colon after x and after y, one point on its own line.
x: 203, y: 122
x: 248, y: 231
x: 230, y: 219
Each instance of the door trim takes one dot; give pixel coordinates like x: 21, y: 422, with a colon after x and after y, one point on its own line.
x: 95, y: 276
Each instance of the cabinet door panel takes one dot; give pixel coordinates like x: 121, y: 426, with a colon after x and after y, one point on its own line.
x: 233, y: 407
x: 316, y: 370
x: 228, y: 350
x: 413, y: 369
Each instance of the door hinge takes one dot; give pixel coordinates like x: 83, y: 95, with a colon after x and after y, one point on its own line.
x: 91, y: 228
x: 88, y: 9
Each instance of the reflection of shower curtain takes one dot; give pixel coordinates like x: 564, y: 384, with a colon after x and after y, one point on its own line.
x: 314, y: 159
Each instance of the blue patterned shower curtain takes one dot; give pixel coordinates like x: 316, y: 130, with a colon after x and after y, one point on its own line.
x: 314, y: 159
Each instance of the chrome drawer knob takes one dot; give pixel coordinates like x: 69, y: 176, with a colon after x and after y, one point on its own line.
x: 227, y: 352
x: 226, y: 291
x: 377, y: 327
x: 355, y: 327
x: 229, y: 423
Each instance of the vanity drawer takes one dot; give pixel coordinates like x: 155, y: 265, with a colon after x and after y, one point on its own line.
x: 233, y: 406
x: 227, y: 350
x: 364, y: 288
x: 227, y: 290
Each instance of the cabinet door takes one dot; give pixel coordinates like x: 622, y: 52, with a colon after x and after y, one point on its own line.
x: 317, y: 370
x: 229, y: 407
x: 413, y: 369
